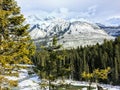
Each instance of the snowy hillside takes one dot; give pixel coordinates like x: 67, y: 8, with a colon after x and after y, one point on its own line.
x: 70, y: 33
x: 28, y: 81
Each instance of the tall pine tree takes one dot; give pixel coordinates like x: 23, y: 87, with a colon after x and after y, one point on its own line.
x: 15, y: 43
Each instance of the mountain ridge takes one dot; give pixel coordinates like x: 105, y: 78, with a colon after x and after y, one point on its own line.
x: 69, y: 33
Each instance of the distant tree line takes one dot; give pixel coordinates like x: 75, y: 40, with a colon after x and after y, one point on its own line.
x: 70, y: 64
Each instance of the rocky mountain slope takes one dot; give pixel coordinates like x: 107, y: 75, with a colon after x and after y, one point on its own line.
x: 69, y: 33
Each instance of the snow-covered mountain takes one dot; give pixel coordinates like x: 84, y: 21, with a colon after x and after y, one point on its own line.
x: 111, y: 30
x: 70, y: 33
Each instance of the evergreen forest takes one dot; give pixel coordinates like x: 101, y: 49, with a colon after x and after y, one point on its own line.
x: 70, y: 64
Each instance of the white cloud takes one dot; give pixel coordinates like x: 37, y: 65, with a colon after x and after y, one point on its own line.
x: 93, y: 9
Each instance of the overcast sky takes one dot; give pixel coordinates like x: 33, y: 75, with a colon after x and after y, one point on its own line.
x: 94, y: 8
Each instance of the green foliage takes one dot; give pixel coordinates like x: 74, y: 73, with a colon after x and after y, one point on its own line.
x: 15, y: 44
x: 50, y: 62
x: 13, y: 83
x: 87, y: 75
x: 97, y: 74
x: 101, y: 73
x: 90, y: 58
x: 83, y: 59
x: 54, y: 43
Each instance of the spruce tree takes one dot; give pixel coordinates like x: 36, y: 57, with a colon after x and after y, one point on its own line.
x: 15, y: 43
x: 51, y: 64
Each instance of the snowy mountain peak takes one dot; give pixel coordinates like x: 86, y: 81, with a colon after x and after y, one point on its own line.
x: 70, y: 34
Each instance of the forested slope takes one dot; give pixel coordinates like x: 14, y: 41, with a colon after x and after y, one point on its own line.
x: 88, y: 58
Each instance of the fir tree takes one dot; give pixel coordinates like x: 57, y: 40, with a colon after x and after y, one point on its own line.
x: 51, y: 64
x: 15, y: 43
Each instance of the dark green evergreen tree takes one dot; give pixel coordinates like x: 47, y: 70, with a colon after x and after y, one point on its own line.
x: 51, y: 64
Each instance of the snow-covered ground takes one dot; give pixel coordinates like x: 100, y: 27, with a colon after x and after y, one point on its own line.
x: 82, y: 83
x: 31, y: 82
x: 28, y: 82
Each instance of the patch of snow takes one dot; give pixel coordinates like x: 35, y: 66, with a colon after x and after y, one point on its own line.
x: 28, y: 85
x: 83, y: 83
x: 11, y: 78
x: 25, y: 65
x: 31, y: 82
x: 35, y: 79
x: 28, y: 82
